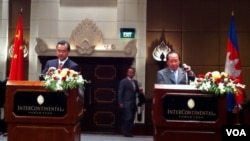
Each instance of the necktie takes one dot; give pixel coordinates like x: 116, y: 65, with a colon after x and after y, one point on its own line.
x: 175, y: 76
x: 60, y: 66
x: 133, y: 83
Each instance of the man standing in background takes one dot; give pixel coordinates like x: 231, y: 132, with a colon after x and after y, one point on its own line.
x: 127, y: 93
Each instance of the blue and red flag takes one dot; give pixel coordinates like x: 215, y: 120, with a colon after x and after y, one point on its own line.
x: 233, y: 65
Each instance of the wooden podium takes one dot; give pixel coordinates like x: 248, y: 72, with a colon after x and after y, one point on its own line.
x: 35, y: 114
x: 183, y: 113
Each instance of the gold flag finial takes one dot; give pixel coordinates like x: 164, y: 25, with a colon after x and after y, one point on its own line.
x: 232, y: 13
x: 21, y: 10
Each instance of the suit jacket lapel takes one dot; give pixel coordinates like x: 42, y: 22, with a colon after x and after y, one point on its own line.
x: 181, y: 75
x: 170, y: 75
x: 56, y: 63
x: 133, y: 86
x: 66, y: 64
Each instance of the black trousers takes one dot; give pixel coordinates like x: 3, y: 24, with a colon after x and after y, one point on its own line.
x: 128, y: 117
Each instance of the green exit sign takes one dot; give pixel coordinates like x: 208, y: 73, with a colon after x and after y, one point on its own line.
x: 127, y: 32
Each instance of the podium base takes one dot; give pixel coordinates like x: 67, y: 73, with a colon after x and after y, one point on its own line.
x: 186, y: 135
x: 46, y: 132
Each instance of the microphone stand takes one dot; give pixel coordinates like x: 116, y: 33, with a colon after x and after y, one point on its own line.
x: 186, y: 77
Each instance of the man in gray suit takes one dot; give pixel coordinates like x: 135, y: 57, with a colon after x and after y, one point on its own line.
x: 173, y: 73
x: 63, y: 61
x: 127, y: 93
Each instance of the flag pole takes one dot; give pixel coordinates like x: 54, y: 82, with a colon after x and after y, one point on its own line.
x: 237, y: 122
x: 236, y: 109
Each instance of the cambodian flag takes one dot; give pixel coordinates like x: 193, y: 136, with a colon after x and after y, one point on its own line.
x: 233, y: 65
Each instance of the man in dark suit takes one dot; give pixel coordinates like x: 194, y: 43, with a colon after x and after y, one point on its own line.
x: 173, y: 73
x: 127, y: 93
x: 63, y: 61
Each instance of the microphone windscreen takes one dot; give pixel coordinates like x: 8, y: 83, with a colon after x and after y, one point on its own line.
x: 184, y: 66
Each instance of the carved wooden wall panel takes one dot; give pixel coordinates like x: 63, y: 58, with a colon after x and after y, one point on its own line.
x: 105, y: 95
x: 105, y: 72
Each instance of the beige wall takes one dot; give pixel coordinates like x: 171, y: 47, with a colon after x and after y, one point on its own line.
x: 198, y: 31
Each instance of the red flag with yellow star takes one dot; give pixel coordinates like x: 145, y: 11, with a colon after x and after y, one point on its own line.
x: 17, y: 59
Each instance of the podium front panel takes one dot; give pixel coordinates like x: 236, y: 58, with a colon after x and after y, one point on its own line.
x: 36, y: 114
x: 181, y: 113
x: 28, y: 101
x: 189, y: 106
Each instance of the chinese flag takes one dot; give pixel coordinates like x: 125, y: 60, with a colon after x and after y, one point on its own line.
x: 233, y: 65
x: 17, y: 60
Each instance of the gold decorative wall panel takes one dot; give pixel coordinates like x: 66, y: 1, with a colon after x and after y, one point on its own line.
x: 105, y: 95
x: 104, y: 118
x: 105, y: 72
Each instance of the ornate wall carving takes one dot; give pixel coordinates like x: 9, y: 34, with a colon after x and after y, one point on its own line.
x: 85, y: 38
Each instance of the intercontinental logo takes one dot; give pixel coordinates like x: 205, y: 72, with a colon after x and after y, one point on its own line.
x: 191, y: 103
x: 40, y: 99
x: 28, y: 103
x: 40, y: 107
x: 190, y: 111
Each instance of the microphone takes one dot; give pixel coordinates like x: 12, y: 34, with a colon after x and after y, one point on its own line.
x: 185, y: 66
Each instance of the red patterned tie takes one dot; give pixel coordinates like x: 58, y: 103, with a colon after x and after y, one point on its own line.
x: 60, y: 66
